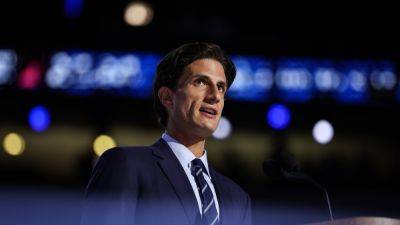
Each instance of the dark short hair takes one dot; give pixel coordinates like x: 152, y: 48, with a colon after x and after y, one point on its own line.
x: 173, y: 65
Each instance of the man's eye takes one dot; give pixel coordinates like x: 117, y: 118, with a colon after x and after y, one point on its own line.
x: 221, y: 88
x: 200, y: 82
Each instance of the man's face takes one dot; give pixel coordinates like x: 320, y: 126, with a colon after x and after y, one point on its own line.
x: 199, y: 99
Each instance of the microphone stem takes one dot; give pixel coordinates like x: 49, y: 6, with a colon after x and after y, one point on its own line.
x: 329, y: 204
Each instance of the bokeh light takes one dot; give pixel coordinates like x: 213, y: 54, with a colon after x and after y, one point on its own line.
x: 278, y: 116
x: 14, y: 144
x: 102, y: 143
x: 8, y: 61
x: 30, y: 76
x: 323, y: 132
x: 73, y: 8
x: 39, y: 118
x: 138, y: 14
x: 223, y: 130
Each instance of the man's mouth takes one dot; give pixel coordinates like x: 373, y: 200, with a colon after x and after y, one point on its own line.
x: 210, y: 112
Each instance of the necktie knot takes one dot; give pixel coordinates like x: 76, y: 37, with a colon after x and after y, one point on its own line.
x: 197, y: 167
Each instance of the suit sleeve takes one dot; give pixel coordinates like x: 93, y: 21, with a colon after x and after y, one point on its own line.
x: 111, y: 194
x: 247, y: 219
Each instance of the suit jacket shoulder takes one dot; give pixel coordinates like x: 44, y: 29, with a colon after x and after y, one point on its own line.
x: 117, y: 167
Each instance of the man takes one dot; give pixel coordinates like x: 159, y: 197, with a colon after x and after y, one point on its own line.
x: 171, y: 182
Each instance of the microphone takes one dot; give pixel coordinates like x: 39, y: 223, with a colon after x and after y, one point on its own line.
x: 285, y: 166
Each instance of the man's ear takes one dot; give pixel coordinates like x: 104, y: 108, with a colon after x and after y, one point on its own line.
x: 165, y: 95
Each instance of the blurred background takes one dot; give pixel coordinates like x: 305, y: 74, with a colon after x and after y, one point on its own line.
x: 318, y: 82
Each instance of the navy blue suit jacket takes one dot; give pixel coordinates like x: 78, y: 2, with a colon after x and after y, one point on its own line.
x: 147, y: 185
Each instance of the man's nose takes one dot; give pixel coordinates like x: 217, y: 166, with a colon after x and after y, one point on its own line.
x: 213, y: 95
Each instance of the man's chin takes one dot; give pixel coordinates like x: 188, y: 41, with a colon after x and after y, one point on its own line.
x: 206, y: 131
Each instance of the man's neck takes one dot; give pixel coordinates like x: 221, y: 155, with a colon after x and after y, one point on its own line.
x: 193, y: 143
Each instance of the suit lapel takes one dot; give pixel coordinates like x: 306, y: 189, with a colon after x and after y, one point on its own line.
x: 173, y: 170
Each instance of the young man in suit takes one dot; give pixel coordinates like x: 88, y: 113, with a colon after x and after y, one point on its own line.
x: 171, y: 182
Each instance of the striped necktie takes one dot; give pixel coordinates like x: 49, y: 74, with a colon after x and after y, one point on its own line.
x: 209, y: 210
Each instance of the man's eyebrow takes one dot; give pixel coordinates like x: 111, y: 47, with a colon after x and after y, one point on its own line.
x: 201, y: 76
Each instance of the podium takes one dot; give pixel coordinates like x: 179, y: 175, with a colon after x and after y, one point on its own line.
x: 361, y: 221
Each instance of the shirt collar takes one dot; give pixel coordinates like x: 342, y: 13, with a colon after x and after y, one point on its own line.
x: 184, y: 155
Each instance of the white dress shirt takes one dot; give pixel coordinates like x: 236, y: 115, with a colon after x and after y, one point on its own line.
x: 185, y: 157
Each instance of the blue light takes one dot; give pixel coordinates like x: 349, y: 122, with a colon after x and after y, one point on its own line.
x: 294, y: 79
x: 73, y: 8
x: 8, y: 61
x: 39, y: 118
x: 116, y: 73
x: 254, y: 79
x: 353, y: 87
x: 278, y: 116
